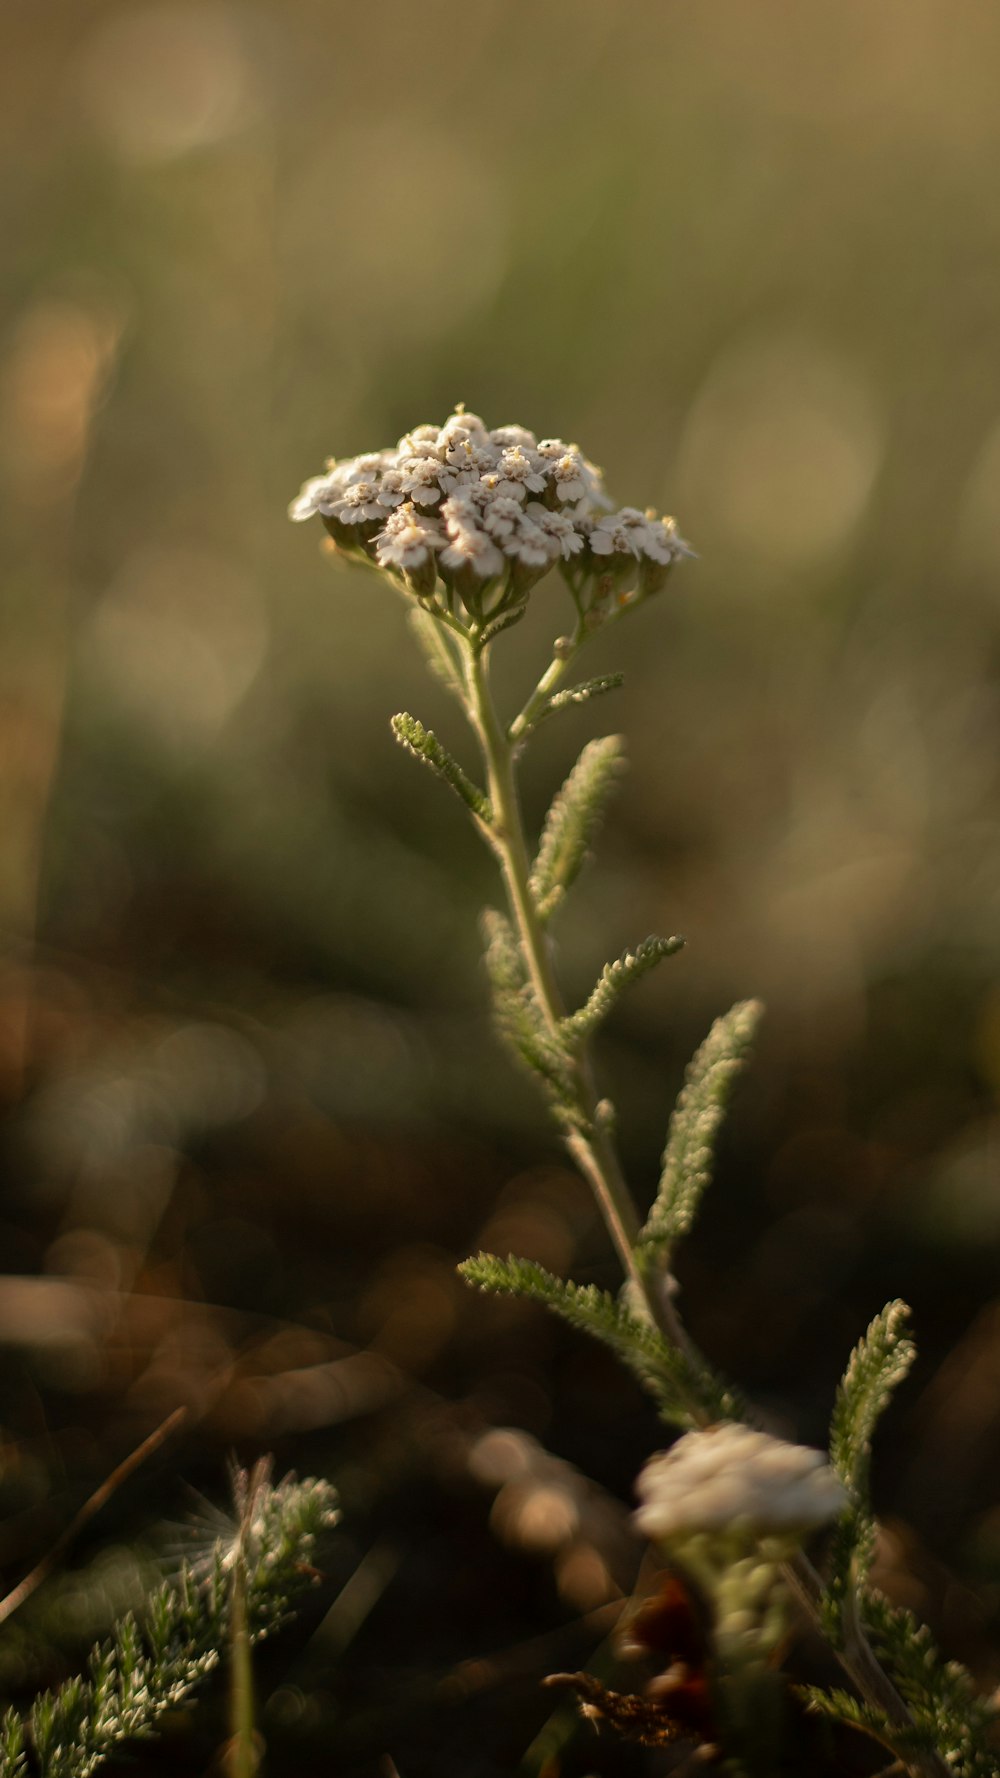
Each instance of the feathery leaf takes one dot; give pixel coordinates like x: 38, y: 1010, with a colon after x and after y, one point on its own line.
x: 940, y: 1694
x: 572, y: 821
x: 614, y: 979
x: 580, y: 694
x: 425, y: 746
x: 843, y: 1707
x: 671, y: 1377
x: 519, y: 1020
x: 694, y: 1128
x: 438, y: 650
x: 878, y: 1363
x: 141, y: 1673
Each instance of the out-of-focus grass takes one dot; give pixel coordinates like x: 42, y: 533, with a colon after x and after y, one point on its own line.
x: 749, y: 256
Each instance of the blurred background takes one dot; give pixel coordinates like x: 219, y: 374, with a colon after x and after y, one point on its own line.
x: 253, y: 1109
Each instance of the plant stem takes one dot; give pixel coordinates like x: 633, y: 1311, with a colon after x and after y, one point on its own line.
x: 590, y: 1142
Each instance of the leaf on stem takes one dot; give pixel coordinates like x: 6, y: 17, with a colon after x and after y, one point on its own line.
x: 439, y: 652
x: 519, y: 1018
x: 878, y: 1363
x: 614, y: 979
x: 694, y: 1128
x: 941, y: 1695
x: 844, y: 1707
x: 579, y: 694
x: 573, y: 820
x: 425, y: 746
x: 504, y: 621
x: 664, y: 1370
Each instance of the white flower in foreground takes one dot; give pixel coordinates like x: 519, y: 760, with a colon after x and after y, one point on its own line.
x: 485, y: 515
x: 733, y: 1478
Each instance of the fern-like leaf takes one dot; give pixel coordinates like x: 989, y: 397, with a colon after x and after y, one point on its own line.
x: 572, y: 822
x: 675, y: 1381
x: 877, y: 1365
x: 572, y: 695
x: 424, y: 745
x: 612, y: 982
x: 840, y: 1706
x: 694, y: 1128
x: 144, y: 1671
x: 519, y: 1019
x: 940, y: 1694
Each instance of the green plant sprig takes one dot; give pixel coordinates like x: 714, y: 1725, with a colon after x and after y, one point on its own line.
x: 461, y: 568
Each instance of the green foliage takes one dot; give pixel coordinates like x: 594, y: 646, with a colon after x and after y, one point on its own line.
x: 614, y: 979
x: 676, y: 1381
x: 12, y: 1760
x: 843, y: 1707
x: 878, y: 1363
x: 437, y: 649
x: 520, y: 1021
x: 425, y: 746
x: 940, y: 1694
x: 572, y: 822
x: 694, y: 1128
x: 133, y: 1679
x: 504, y: 621
x: 572, y: 695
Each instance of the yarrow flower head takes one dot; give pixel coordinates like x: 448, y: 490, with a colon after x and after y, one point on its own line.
x: 728, y: 1506
x: 459, y: 510
x: 733, y: 1479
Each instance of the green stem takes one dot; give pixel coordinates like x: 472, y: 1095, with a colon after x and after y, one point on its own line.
x: 550, y: 681
x: 590, y: 1145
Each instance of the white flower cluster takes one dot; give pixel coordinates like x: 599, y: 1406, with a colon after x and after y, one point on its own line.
x: 733, y: 1478
x: 474, y: 506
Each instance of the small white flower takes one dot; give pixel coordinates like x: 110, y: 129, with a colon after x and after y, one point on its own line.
x: 421, y: 442
x: 522, y: 467
x: 514, y: 435
x: 620, y: 532
x: 462, y: 428
x: 471, y: 548
x: 566, y: 469
x: 421, y: 478
x: 501, y: 515
x: 529, y: 544
x: 362, y: 469
x: 407, y: 538
x: 358, y: 504
x: 731, y: 1477
x: 309, y: 499
x: 662, y: 542
x: 392, y: 489
x: 568, y: 540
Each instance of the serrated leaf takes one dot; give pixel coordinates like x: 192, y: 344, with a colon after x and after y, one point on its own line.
x: 877, y: 1365
x: 686, y: 1169
x: 504, y: 621
x: 438, y: 651
x: 425, y: 746
x: 519, y: 1019
x: 678, y: 1385
x: 941, y: 1695
x: 572, y: 821
x: 614, y: 979
x: 580, y: 694
x: 843, y: 1707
